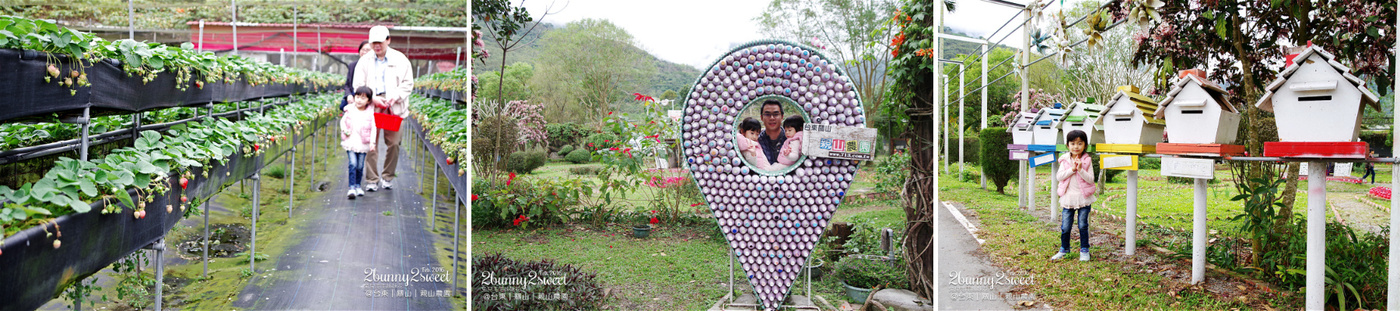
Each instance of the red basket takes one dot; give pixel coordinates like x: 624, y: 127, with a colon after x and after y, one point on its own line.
x: 387, y: 122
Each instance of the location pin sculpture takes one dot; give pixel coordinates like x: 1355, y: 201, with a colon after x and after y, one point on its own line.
x: 771, y: 218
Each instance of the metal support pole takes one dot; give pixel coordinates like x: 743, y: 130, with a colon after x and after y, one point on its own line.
x: 947, y: 156
x: 159, y: 247
x: 130, y: 21
x: 206, y: 240
x: 1131, y: 246
x: 731, y: 274
x: 253, y: 248
x: 200, y: 47
x: 1025, y: 100
x: 1317, y: 247
x: 1030, y: 186
x: 984, y: 105
x: 87, y: 126
x: 1198, y: 234
x: 292, y: 180
x: 234, y: 5
x: 456, y: 254
x: 962, y: 116
x: 294, y: 36
x: 432, y: 220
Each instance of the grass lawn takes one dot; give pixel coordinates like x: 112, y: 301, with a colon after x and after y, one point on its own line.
x: 676, y: 268
x: 1021, y: 241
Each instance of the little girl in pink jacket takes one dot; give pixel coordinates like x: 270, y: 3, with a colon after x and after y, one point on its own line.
x: 792, y: 147
x: 1076, y: 191
x: 357, y: 136
x: 748, y: 144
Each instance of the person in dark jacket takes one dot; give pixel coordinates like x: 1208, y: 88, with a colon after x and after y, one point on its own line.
x: 349, y: 89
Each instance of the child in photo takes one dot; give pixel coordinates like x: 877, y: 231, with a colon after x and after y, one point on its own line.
x: 792, y: 148
x: 748, y: 143
x: 357, y: 137
x: 1076, y: 191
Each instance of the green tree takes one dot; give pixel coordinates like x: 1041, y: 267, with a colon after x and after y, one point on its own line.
x: 585, y: 67
x: 852, y: 32
x: 668, y: 94
x: 515, y: 88
x: 508, y: 27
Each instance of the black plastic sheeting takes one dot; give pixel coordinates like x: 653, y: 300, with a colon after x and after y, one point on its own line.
x: 448, y: 95
x: 34, y: 272
x: 459, y: 183
x: 27, y: 97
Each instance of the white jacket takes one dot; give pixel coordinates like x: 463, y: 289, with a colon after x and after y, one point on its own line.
x: 397, y: 76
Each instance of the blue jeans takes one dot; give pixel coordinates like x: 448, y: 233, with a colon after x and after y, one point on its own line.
x: 1371, y: 172
x: 1067, y: 220
x: 356, y: 167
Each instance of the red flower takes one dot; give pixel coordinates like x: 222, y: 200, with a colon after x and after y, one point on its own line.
x: 613, y: 148
x: 521, y: 219
x: 607, y: 141
x: 473, y: 197
x: 653, y: 211
x: 628, y: 150
x: 643, y: 97
x: 654, y: 221
x: 512, y: 178
x: 696, y: 204
x: 610, y: 112
x: 590, y: 145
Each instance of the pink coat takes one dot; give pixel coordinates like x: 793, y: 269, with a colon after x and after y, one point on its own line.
x: 794, y: 142
x: 357, y: 132
x: 1082, y: 179
x: 753, y: 153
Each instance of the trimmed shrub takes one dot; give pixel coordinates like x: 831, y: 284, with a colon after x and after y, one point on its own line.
x: 564, y: 134
x: 524, y: 162
x: 971, y: 154
x: 995, y: 164
x: 501, y: 136
x: 579, y: 156
x: 602, y: 140
x: 584, y: 170
x: 566, y: 149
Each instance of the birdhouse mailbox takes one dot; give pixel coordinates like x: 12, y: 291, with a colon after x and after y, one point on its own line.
x: 1198, y: 111
x: 1082, y: 116
x: 1129, y: 119
x: 1316, y: 99
x: 1022, y: 128
x: 1046, y: 132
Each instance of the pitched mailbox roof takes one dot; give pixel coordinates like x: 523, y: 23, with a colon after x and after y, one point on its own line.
x: 1093, y: 111
x: 1221, y: 97
x: 1144, y: 104
x: 1022, y: 121
x: 1267, y: 102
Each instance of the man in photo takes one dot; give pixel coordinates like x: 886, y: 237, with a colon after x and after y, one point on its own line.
x: 773, y: 137
x: 388, y: 72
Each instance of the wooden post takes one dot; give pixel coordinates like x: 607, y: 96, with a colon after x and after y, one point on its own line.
x: 1317, y: 247
x: 1198, y: 234
x: 1130, y: 247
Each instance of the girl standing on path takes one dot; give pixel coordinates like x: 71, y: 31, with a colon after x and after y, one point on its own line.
x: 1076, y: 177
x: 357, y: 137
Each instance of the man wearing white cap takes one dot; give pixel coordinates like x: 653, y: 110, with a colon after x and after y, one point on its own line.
x: 389, y: 74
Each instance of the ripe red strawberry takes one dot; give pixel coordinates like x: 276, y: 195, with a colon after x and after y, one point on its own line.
x: 449, y: 160
x: 199, y: 84
x: 184, y: 199
x: 184, y: 183
x: 255, y: 147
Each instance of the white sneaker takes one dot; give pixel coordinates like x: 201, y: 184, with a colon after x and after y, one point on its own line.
x: 371, y: 187
x: 359, y: 192
x: 1083, y: 256
x: 350, y: 194
x: 385, y: 184
x: 1058, y: 256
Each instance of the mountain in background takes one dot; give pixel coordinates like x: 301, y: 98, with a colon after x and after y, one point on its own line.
x: 669, y: 76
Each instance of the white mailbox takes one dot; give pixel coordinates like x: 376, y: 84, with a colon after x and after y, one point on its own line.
x: 1198, y: 111
x: 1046, y: 132
x: 1316, y: 99
x: 1022, y: 128
x: 1129, y: 119
x: 1082, y: 116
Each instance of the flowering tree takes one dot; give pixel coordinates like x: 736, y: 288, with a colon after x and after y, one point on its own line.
x: 530, y: 121
x: 1039, y: 98
x: 626, y: 164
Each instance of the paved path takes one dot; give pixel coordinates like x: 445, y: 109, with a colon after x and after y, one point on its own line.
x: 342, y: 255
x: 967, y: 276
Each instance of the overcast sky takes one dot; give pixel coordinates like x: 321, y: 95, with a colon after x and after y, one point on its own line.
x: 697, y: 32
